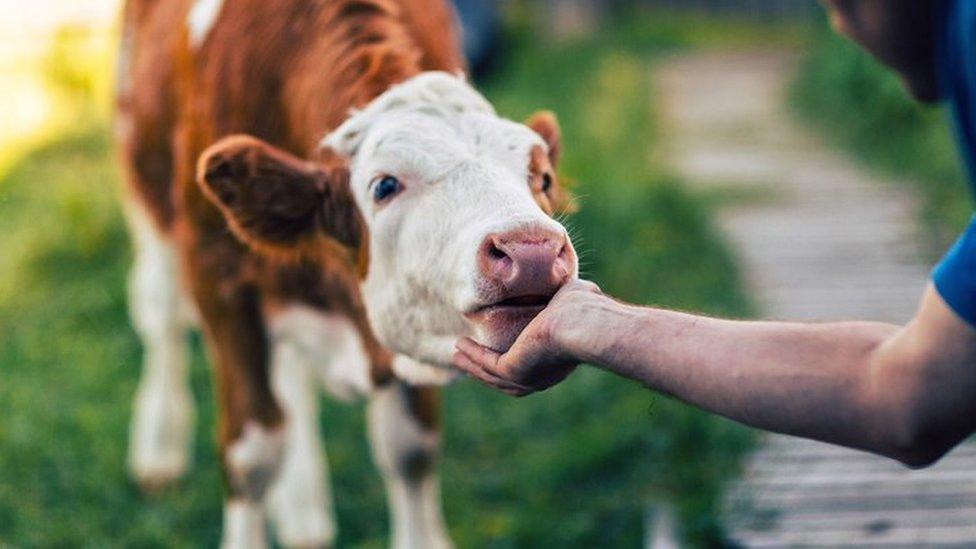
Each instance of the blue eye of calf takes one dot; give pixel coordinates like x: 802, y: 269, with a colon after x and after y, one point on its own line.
x: 386, y: 188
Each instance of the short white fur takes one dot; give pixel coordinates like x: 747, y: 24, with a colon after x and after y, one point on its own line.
x: 201, y: 19
x: 253, y: 459
x: 251, y: 462
x: 329, y: 344
x: 243, y: 525
x: 299, y: 502
x: 161, y: 430
x: 416, y: 519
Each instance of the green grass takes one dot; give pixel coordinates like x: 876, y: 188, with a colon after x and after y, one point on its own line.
x: 574, y: 467
x: 860, y: 106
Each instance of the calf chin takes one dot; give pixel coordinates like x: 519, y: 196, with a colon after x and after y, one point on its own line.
x: 501, y: 337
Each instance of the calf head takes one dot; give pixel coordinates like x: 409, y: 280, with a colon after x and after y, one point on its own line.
x: 446, y: 206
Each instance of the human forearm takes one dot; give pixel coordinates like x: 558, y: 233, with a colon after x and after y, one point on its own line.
x: 803, y: 379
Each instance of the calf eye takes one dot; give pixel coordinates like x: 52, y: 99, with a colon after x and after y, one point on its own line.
x: 546, y: 182
x: 385, y: 188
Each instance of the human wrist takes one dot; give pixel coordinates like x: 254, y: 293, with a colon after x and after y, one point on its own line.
x: 597, y: 330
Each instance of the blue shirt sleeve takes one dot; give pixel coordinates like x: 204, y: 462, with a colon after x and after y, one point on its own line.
x: 955, y: 275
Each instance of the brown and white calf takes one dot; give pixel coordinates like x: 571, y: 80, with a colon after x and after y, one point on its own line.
x: 376, y: 209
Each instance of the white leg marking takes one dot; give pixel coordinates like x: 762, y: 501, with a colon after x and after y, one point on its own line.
x: 243, y: 525
x: 251, y: 463
x: 398, y: 442
x: 201, y: 18
x: 299, y: 503
x: 161, y: 431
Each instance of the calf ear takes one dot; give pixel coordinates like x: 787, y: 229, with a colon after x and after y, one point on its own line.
x: 545, y: 124
x: 276, y: 202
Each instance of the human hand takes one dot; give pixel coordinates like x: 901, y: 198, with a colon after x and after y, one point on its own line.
x: 543, y: 355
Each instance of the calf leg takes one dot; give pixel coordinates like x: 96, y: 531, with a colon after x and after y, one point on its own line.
x: 403, y: 423
x: 161, y: 430
x: 250, y: 430
x: 300, y: 501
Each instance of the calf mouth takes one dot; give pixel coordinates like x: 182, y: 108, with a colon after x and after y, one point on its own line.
x: 512, y: 304
x: 511, y: 313
x: 524, y: 301
x: 499, y: 323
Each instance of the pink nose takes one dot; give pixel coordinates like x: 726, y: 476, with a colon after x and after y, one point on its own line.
x: 523, y: 262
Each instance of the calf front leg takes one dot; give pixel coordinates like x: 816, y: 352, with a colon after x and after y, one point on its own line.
x: 405, y: 437
x: 250, y: 426
x: 311, y: 347
x: 300, y: 502
x: 161, y: 430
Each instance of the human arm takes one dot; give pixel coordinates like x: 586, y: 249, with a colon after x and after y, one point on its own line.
x: 905, y: 392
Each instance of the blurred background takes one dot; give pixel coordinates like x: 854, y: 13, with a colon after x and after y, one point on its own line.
x: 729, y: 156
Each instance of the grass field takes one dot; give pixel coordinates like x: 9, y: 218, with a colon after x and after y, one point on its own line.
x: 574, y: 467
x: 861, y: 107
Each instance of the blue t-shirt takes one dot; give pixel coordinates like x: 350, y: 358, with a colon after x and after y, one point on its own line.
x: 955, y: 276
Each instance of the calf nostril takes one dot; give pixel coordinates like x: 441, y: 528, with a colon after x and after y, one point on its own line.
x: 495, y: 252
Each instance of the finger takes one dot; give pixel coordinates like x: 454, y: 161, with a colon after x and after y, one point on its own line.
x: 473, y: 369
x: 581, y: 285
x: 462, y: 362
x: 589, y: 286
x: 484, y: 356
x: 488, y: 360
x: 476, y: 372
x: 501, y: 365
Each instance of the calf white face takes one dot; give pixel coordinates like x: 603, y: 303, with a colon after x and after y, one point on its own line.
x: 454, y: 205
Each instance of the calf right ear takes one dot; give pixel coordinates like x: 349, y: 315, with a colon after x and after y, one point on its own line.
x: 276, y: 202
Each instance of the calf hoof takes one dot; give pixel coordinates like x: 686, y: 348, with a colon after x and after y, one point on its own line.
x: 303, y: 528
x: 155, y: 482
x: 159, y: 438
x: 157, y: 468
x: 243, y: 526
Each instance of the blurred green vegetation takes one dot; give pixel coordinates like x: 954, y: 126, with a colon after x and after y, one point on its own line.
x: 73, y: 65
x: 574, y: 467
x: 861, y: 106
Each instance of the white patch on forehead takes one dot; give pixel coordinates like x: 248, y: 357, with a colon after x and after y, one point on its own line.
x: 506, y: 143
x: 436, y: 94
x: 434, y: 146
x: 430, y: 129
x: 201, y: 18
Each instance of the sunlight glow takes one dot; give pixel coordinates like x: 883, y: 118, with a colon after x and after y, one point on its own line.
x: 27, y: 32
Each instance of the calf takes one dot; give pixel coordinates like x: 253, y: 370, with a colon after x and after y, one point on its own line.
x: 313, y: 183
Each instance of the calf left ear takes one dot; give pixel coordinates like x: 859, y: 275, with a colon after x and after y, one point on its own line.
x: 276, y: 202
x: 546, y: 125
